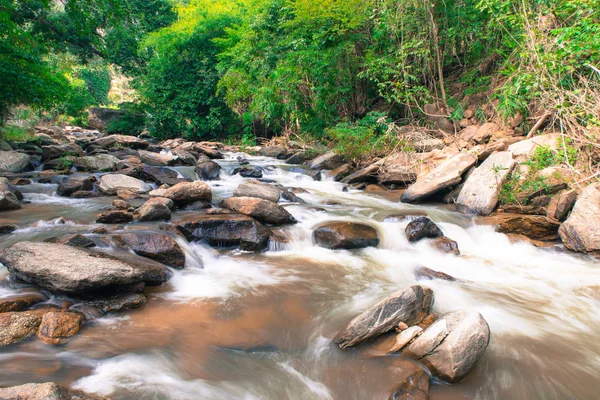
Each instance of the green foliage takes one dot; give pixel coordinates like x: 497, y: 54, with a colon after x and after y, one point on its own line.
x: 132, y: 122
x: 544, y: 157
x: 15, y: 133
x: 97, y: 81
x: 65, y: 163
x: 515, y: 185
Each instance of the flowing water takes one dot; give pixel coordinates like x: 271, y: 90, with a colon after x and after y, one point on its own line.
x: 235, y: 325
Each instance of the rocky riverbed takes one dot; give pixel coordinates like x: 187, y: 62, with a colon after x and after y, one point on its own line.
x: 136, y: 269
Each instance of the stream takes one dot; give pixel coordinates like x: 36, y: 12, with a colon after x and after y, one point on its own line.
x: 238, y: 325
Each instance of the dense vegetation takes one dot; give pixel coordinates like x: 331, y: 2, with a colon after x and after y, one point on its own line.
x: 205, y: 68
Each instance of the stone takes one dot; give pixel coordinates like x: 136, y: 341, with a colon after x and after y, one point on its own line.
x: 126, y: 194
x: 97, y: 163
x: 491, y: 148
x: 340, y: 172
x: 400, y: 169
x: 117, y: 302
x: 296, y: 158
x: 155, y: 209
x: 485, y: 132
x: 480, y: 192
x: 56, y: 151
x: 9, y: 197
x: 524, y: 149
x: 262, y: 210
x: 74, y: 184
x: 12, y: 161
x: 273, y: 151
x: 248, y: 172
x: 291, y: 197
x: 444, y: 176
x: 160, y: 175
x: 155, y: 246
x: 44, y: 391
x: 446, y: 245
x: 404, y: 338
x: 185, y: 192
x: 114, y: 217
x: 414, y: 387
x: 121, y: 204
x: 111, y: 183
x: 561, y: 204
x: 7, y: 228
x: 429, y: 145
x: 535, y: 227
x: 367, y: 174
x: 56, y: 327
x: 17, y: 326
x: 345, y: 235
x: 71, y: 270
x: 581, y: 231
x: 468, y: 133
x: 157, y: 159
x: 409, y: 305
x: 207, y: 169
x: 452, y: 345
x: 131, y: 142
x: 326, y: 161
x: 424, y: 273
x: 101, y: 117
x: 20, y: 302
x: 76, y: 240
x: 521, y: 209
x: 258, y: 190
x: 421, y: 228
x: 223, y: 230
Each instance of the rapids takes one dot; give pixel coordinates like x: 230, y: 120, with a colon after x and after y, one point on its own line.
x: 236, y: 325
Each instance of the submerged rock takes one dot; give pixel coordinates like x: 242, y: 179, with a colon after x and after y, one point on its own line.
x: 452, y: 345
x: 118, y: 302
x: 226, y: 230
x: 161, y: 248
x: 421, y: 228
x: 345, y: 235
x: 423, y: 273
x: 66, y: 269
x: 45, y: 391
x: 77, y: 240
x: 262, y: 210
x: 414, y: 387
x: 446, y: 245
x: 56, y: 327
x: 409, y: 305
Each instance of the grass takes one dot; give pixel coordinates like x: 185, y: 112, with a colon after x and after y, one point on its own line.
x: 16, y: 133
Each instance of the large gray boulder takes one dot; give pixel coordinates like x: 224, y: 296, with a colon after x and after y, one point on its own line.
x: 452, y: 345
x: 409, y: 305
x: 262, y: 210
x: 444, y: 176
x: 97, y: 163
x: 12, y: 161
x: 581, y: 231
x: 111, y: 183
x: 223, y: 230
x: 258, y: 190
x: 185, y: 192
x: 131, y: 142
x: 44, y: 391
x: 480, y: 192
x: 66, y: 269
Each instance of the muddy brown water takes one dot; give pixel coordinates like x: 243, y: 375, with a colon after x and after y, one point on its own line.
x: 235, y: 325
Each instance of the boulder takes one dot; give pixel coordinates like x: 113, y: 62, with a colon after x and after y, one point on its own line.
x: 207, y: 169
x: 19, y: 302
x: 535, y: 227
x: 56, y: 151
x: 111, y: 183
x: 581, y: 231
x: 12, y: 161
x: 326, y: 161
x: 155, y: 246
x: 467, y: 134
x: 157, y: 159
x: 131, y: 142
x: 414, y: 387
x: 97, y: 163
x: 7, y: 228
x: 9, y: 197
x: 345, y: 235
x: 44, y: 391
x: 258, y: 190
x: 452, y: 345
x: 117, y: 302
x: 296, y: 158
x: 185, y: 192
x: 74, y: 184
x: 114, y: 217
x: 56, y: 327
x: 480, y: 192
x: 17, y: 326
x: 446, y: 245
x: 248, y: 172
x: 409, y: 305
x: 155, y: 209
x: 273, y: 151
x: 262, y: 210
x: 400, y: 169
x: 421, y: 228
x: 524, y: 149
x: 71, y: 270
x: 226, y: 230
x: 159, y: 175
x: 561, y: 204
x: 444, y: 176
x: 485, y: 132
x: 367, y: 174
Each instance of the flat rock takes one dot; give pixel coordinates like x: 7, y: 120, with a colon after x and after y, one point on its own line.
x: 185, y: 192
x: 524, y: 149
x: 157, y: 159
x: 112, y: 183
x: 581, y: 231
x: 71, y: 270
x: 56, y: 151
x: 56, y: 327
x: 97, y: 163
x: 44, y: 391
x: 535, y: 227
x: 131, y: 142
x: 114, y: 217
x: 258, y: 190
x: 161, y: 248
x: 409, y: 305
x: 400, y: 169
x: 480, y: 192
x: 345, y: 235
x: 262, y: 210
x: 326, y: 161
x: 118, y: 302
x: 12, y: 161
x: 452, y: 345
x: 444, y: 176
x: 226, y: 230
x: 20, y: 302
